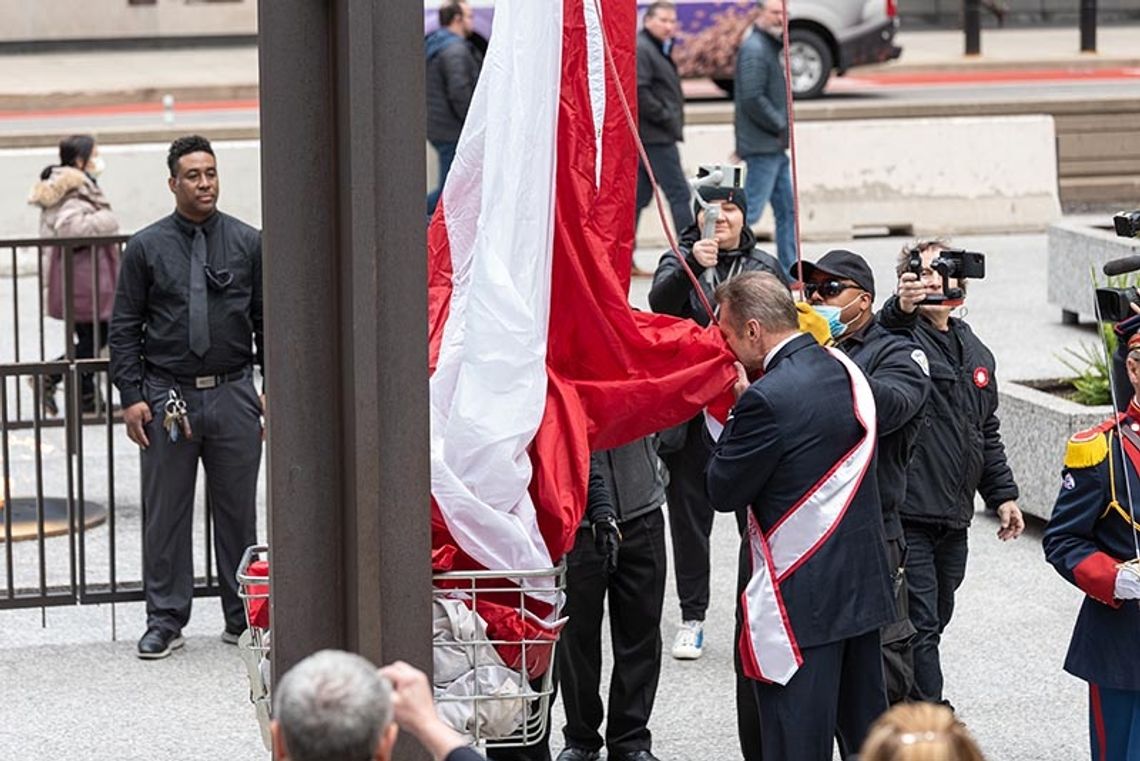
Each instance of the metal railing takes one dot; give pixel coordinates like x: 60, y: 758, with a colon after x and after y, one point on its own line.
x: 73, y: 514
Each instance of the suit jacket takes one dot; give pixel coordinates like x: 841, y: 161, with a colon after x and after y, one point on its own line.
x: 785, y: 433
x: 660, y: 102
x: 1084, y: 541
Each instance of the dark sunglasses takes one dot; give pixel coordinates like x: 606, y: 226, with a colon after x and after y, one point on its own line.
x: 828, y: 289
x: 219, y: 280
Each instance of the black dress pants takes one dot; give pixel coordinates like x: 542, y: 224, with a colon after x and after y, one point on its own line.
x: 747, y: 714
x: 935, y: 568
x: 837, y: 694
x: 690, y: 520
x: 226, y: 428
x: 636, y: 593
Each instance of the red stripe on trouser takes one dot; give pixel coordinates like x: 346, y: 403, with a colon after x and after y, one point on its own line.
x: 1098, y: 722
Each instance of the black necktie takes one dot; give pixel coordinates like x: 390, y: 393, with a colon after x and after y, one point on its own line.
x: 199, y: 321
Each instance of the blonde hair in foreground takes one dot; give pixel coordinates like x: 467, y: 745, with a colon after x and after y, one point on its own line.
x: 919, y: 732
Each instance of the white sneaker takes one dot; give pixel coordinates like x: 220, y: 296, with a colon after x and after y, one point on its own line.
x: 690, y: 641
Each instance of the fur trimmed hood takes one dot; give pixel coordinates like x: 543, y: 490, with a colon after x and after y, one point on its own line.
x: 63, y: 180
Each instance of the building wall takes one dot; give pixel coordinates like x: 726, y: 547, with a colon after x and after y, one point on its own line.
x: 55, y: 20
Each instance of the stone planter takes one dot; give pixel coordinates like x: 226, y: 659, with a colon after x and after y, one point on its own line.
x: 1074, y: 249
x: 1034, y: 428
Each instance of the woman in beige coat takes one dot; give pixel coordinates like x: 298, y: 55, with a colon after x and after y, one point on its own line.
x: 73, y: 206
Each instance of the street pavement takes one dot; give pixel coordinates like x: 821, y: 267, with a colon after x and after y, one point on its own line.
x: 69, y: 689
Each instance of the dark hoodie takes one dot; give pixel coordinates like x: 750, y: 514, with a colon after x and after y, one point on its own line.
x: 673, y: 292
x: 452, y: 70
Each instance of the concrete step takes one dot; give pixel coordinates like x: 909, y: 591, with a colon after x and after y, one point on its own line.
x: 1121, y: 188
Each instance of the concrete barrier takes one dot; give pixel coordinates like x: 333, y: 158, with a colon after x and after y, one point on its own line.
x: 1077, y: 252
x: 1034, y: 428
x: 135, y: 184
x: 911, y: 176
x: 922, y: 176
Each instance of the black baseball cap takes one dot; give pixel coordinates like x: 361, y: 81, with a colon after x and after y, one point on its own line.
x: 844, y: 264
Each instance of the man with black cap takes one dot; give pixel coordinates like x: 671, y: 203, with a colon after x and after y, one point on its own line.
x: 684, y: 450
x: 841, y: 287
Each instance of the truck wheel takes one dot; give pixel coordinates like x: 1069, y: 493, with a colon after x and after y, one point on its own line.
x: 811, y: 63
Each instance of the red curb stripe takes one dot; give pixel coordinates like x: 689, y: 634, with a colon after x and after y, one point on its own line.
x: 153, y: 107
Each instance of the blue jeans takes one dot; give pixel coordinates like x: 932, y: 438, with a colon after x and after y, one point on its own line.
x: 446, y: 153
x: 935, y: 568
x: 769, y: 179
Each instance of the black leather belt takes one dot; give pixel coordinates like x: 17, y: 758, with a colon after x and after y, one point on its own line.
x: 200, y: 382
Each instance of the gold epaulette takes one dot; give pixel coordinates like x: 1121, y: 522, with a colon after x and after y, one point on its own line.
x: 813, y: 322
x: 1088, y: 448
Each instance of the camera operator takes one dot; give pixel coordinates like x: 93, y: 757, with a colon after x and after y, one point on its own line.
x: 684, y: 449
x: 958, y: 453
x: 842, y: 287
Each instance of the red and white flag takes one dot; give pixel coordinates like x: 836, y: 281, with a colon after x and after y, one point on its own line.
x: 536, y: 356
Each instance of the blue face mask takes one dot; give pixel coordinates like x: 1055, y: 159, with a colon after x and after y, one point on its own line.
x: 831, y: 314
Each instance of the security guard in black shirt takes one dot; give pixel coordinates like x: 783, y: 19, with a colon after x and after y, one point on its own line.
x: 187, y: 318
x: 842, y: 286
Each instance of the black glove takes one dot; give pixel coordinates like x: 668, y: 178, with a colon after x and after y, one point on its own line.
x: 607, y: 539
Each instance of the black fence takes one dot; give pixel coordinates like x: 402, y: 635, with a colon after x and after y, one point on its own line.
x: 72, y: 510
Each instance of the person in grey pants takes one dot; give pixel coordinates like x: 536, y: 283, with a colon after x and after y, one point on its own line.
x: 187, y: 318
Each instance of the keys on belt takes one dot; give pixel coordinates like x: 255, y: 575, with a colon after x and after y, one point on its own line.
x: 177, y: 420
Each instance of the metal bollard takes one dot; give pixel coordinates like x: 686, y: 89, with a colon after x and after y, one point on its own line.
x: 1088, y: 26
x: 973, y: 27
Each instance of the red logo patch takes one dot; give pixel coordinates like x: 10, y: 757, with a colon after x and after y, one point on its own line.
x: 981, y: 377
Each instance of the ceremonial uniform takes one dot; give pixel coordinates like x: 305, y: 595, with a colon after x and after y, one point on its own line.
x: 1089, y: 534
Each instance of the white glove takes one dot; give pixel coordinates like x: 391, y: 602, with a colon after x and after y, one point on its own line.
x: 1127, y: 582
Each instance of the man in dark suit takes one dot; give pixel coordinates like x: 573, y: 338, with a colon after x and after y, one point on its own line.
x: 661, y: 113
x: 798, y: 452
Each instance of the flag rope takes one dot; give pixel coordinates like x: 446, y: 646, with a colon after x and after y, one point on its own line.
x: 669, y: 234
x: 792, y: 149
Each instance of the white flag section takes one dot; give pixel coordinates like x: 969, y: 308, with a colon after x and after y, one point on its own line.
x: 488, y: 391
x: 768, y: 644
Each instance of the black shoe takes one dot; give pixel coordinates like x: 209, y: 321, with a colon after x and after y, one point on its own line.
x: 157, y: 643
x: 578, y: 754
x: 47, y: 394
x: 231, y: 636
x: 633, y: 755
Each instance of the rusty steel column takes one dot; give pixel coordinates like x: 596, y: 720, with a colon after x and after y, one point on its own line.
x: 342, y: 152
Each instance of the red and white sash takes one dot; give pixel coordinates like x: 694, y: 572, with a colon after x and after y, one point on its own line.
x: 768, y: 647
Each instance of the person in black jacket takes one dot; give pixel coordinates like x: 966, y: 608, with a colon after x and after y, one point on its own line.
x: 661, y: 113
x: 713, y: 261
x: 625, y: 498
x: 899, y: 374
x: 958, y: 453
x: 453, y: 66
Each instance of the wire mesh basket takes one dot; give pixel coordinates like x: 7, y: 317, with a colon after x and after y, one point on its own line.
x: 505, y: 700
x: 253, y: 645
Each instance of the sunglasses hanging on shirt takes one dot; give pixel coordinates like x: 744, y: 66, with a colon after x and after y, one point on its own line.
x: 219, y: 280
